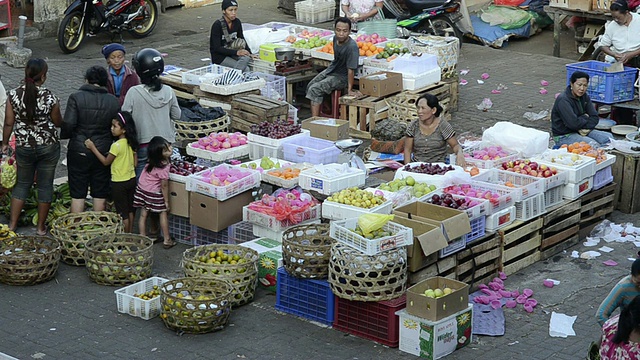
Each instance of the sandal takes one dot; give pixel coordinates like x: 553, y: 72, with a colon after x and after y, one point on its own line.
x: 43, y: 233
x: 169, y: 245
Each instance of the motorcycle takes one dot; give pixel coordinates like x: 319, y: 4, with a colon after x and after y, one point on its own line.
x: 88, y: 17
x: 437, y: 17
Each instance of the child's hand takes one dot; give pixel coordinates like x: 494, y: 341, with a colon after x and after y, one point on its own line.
x: 89, y: 144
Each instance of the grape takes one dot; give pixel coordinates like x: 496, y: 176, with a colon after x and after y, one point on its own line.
x: 429, y: 169
x: 276, y: 130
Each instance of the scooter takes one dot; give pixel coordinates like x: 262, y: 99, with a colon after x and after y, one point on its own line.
x: 436, y: 17
x: 88, y: 17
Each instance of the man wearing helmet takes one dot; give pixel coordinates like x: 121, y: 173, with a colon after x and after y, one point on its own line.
x: 225, y: 43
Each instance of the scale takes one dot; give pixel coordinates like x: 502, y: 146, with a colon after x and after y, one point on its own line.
x: 348, y: 154
x: 297, y: 64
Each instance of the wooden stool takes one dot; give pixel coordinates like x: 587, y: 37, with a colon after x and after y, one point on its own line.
x: 335, y: 105
x: 356, y: 111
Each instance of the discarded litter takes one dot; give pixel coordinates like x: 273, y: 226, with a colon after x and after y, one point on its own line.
x: 588, y: 255
x: 610, y: 263
x: 480, y: 81
x: 544, y: 91
x: 591, y: 242
x: 544, y: 83
x: 606, y: 249
x: 485, y: 105
x: 484, y: 76
x: 533, y: 116
x: 463, y: 82
x: 464, y: 71
x: 496, y: 91
x: 561, y: 325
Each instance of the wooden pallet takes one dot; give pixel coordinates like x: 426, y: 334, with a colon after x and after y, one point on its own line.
x: 596, y: 206
x: 443, y: 267
x: 175, y: 81
x: 254, y: 109
x: 363, y: 111
x: 402, y: 107
x: 520, y: 244
x: 626, y: 173
x: 479, y: 262
x: 560, y: 228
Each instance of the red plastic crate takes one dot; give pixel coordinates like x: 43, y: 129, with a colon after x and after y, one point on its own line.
x: 375, y: 321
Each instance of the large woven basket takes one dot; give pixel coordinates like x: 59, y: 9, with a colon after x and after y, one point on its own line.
x: 194, y: 130
x: 74, y: 230
x: 195, y: 305
x: 243, y: 276
x: 119, y: 259
x: 28, y: 260
x: 306, y: 250
x: 445, y: 48
x: 356, y: 276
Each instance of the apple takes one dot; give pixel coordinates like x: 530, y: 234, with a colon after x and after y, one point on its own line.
x: 439, y: 293
x: 447, y: 291
x: 547, y: 173
x: 533, y: 173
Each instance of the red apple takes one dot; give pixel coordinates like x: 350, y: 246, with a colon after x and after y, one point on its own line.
x: 547, y: 173
x: 543, y: 167
x: 553, y: 170
x: 533, y: 173
x: 533, y: 166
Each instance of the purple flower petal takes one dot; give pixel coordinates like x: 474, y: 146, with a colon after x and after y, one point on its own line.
x: 511, y: 304
x: 521, y: 299
x: 544, y: 83
x: 515, y: 293
x: 484, y: 76
x: 532, y: 302
x: 527, y: 292
x: 528, y: 308
x: 496, y: 304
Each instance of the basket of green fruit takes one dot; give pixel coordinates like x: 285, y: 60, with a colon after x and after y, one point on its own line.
x: 74, y: 230
x: 195, y: 305
x: 234, y: 263
x: 359, y: 277
x: 28, y: 260
x: 306, y: 250
x: 119, y: 259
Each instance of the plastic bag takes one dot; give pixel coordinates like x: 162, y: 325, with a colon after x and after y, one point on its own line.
x: 506, y: 17
x: 527, y: 141
x: 369, y: 223
x: 601, y: 230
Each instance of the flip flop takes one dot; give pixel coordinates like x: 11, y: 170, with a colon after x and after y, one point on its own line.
x: 169, y: 245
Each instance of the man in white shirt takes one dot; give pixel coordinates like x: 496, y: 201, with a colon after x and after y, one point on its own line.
x: 621, y: 39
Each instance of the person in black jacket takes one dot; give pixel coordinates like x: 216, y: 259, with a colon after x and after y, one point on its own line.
x: 574, y: 118
x: 88, y: 116
x: 218, y: 41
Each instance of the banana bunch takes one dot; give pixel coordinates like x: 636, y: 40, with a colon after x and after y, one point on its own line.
x: 5, y: 233
x: 8, y: 174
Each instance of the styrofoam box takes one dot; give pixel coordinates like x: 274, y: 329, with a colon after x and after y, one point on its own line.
x: 336, y: 211
x: 501, y: 219
x: 575, y: 174
x: 340, y: 230
x: 310, y: 179
x: 197, y: 183
x: 414, y: 82
x: 573, y: 191
x: 530, y: 207
x: 416, y: 65
x: 223, y: 155
x: 553, y: 196
x: 253, y: 138
x: 473, y: 212
x: 611, y: 159
x: 524, y: 185
x: 274, y: 224
x: 129, y: 304
x: 311, y: 150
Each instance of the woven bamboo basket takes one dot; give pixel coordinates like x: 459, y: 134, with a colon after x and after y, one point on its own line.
x: 445, y: 48
x: 74, y: 230
x: 195, y: 305
x: 243, y: 275
x: 28, y: 260
x: 119, y: 259
x: 356, y: 276
x: 194, y: 130
x: 306, y: 250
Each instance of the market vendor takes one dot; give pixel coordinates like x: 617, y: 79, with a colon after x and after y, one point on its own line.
x: 362, y: 10
x: 621, y: 39
x: 226, y: 43
x: 574, y: 118
x: 340, y: 73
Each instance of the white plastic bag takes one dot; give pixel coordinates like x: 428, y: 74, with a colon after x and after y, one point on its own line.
x: 524, y: 140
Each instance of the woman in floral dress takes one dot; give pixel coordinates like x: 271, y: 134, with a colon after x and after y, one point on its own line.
x: 621, y: 334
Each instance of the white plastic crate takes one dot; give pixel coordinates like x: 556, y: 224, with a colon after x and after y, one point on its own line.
x: 220, y: 156
x: 251, y: 163
x: 524, y: 185
x: 199, y: 183
x: 263, y: 140
x: 573, y: 191
x: 310, y: 150
x: 340, y: 230
x: 262, y: 66
x: 254, y: 217
x: 310, y: 179
x: 258, y: 151
x: 197, y: 76
x: 501, y: 219
x: 611, y: 159
x: 439, y: 181
x: 314, y: 11
x: 283, y: 183
x: 575, y: 174
x: 553, y: 196
x: 530, y: 207
x: 232, y: 89
x: 415, y: 82
x: 275, y: 86
x: 487, y: 164
x: 415, y: 66
x: 495, y: 204
x: 263, y: 232
x: 473, y: 212
x: 180, y: 229
x: 129, y: 304
x: 453, y: 247
x: 336, y: 211
x: 602, y: 177
x: 559, y: 179
x: 240, y: 232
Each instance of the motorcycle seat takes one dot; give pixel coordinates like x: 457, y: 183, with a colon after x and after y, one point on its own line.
x: 417, y: 6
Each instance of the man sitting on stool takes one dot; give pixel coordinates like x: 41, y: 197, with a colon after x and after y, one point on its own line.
x: 340, y: 72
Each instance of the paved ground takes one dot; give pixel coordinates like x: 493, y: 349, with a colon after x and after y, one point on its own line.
x: 73, y: 318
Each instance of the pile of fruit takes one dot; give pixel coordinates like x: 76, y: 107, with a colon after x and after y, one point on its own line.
x: 373, y: 38
x: 583, y: 148
x: 437, y: 293
x: 278, y: 129
x: 418, y: 189
x: 149, y: 295
x: 29, y: 216
x: 265, y: 164
x: 220, y: 258
x: 358, y: 198
x: 392, y: 51
x: 285, y: 204
x: 8, y: 174
x: 528, y: 167
x: 454, y: 202
x: 368, y: 49
x: 488, y: 153
x: 470, y: 191
x: 327, y: 48
x: 223, y: 175
x: 428, y: 169
x: 184, y: 168
x: 311, y: 43
x: 220, y: 141
x: 5, y: 233
x: 306, y: 34
x: 567, y: 159
x: 376, y: 234
x: 288, y: 173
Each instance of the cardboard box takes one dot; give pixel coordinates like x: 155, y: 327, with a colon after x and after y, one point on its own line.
x: 270, y: 260
x: 584, y: 5
x: 372, y: 86
x: 454, y: 223
x: 326, y: 128
x: 601, y: 5
x: 178, y: 199
x: 592, y: 30
x: 436, y: 309
x: 215, y: 215
x: 559, y: 3
x: 428, y: 239
x: 433, y: 340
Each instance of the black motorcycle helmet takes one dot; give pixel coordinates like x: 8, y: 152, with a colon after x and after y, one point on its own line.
x: 148, y: 63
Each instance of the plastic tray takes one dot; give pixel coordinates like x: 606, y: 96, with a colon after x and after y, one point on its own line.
x: 311, y: 150
x: 478, y: 226
x: 241, y: 232
x: 553, y: 196
x: 473, y: 212
x: 309, y: 179
x: 258, y: 151
x: 453, y: 247
x: 308, y: 298
x: 275, y: 86
x: 196, y: 76
x: 575, y: 174
x: 220, y: 156
x: 199, y: 184
x: 257, y: 163
x: 574, y: 191
x: 129, y: 304
x: 505, y: 199
x: 278, y: 181
x: 340, y: 230
x: 272, y: 223
x: 530, y: 207
x: 180, y: 229
x: 606, y: 87
x: 602, y: 177
x: 263, y: 140
x: 525, y: 185
x: 336, y: 211
x: 501, y: 218
x: 232, y: 89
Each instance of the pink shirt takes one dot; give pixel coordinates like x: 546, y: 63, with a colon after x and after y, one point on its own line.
x: 611, y: 351
x: 152, y: 181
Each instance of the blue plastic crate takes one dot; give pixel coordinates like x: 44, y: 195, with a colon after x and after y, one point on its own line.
x: 477, y: 229
x: 309, y: 299
x: 606, y: 87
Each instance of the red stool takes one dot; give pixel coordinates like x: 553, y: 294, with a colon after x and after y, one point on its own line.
x: 334, y: 107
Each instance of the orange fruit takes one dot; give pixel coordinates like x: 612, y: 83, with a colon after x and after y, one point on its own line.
x: 372, y: 47
x: 362, y: 52
x: 368, y: 53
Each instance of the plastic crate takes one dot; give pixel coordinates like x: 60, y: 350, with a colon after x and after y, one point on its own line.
x: 559, y: 179
x: 501, y: 219
x: 611, y: 159
x: 370, y: 320
x: 258, y: 151
x: 486, y: 164
x: 197, y: 76
x: 311, y: 150
x: 309, y: 299
x: 310, y: 179
x: 134, y: 306
x: 574, y: 191
x: 284, y: 183
x: 274, y: 224
x: 340, y: 230
x: 263, y: 140
x: 574, y: 174
x: 180, y: 229
x: 199, y: 183
x: 606, y: 87
x: 553, y: 196
x: 204, y: 236
x: 314, y: 11
x: 263, y: 232
x: 530, y: 207
x: 474, y: 212
x: 241, y: 232
x: 495, y: 204
x: 336, y: 211
x: 275, y: 87
x: 453, y: 247
x: 220, y: 156
x: 414, y: 82
x: 262, y: 66
x: 232, y: 89
x: 602, y: 177
x: 524, y: 185
x: 478, y: 226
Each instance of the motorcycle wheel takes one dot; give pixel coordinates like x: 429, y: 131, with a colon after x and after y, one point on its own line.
x: 442, y: 27
x: 145, y: 26
x: 71, y: 32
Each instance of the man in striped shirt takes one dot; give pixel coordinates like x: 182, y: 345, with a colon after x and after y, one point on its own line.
x: 622, y: 294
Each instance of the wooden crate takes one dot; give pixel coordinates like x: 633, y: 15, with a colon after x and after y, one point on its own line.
x: 253, y: 109
x: 520, y: 244
x: 402, y: 106
x: 626, y: 173
x: 362, y: 112
x: 595, y: 206
x: 443, y: 267
x: 560, y: 226
x: 480, y: 261
x: 198, y: 3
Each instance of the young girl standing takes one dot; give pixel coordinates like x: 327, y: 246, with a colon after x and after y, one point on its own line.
x: 152, y: 193
x: 122, y: 158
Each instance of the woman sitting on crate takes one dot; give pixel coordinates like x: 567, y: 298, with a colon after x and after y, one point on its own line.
x: 621, y: 39
x: 361, y: 10
x: 226, y: 43
x: 574, y: 118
